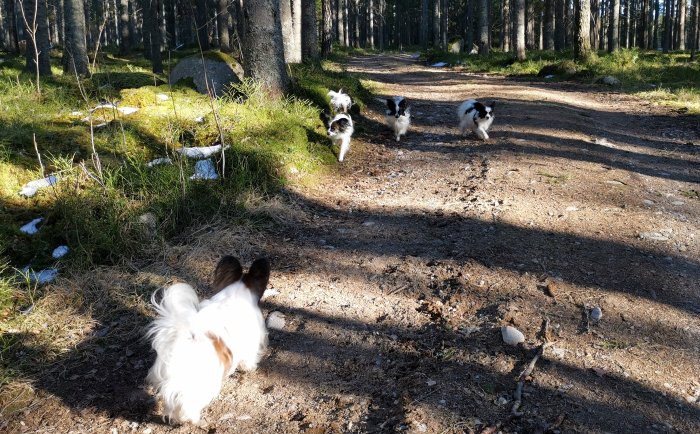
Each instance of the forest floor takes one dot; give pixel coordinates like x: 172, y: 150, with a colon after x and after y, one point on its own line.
x: 396, y: 274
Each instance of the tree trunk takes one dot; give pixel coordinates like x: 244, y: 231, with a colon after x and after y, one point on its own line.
x: 370, y: 25
x: 381, y: 31
x: 156, y: 22
x: 614, y: 27
x: 309, y: 37
x: 548, y: 33
x: 560, y: 24
x: 36, y: 32
x: 12, y: 44
x: 530, y: 42
x: 124, y: 27
x: 171, y: 30
x: 327, y: 35
x: 201, y: 21
x: 483, y: 26
x: 681, y: 24
x: 469, y: 26
x: 520, y: 30
x: 695, y: 34
x: 222, y: 19
x: 75, y: 59
x: 436, y: 23
x: 263, y: 52
x: 424, y: 13
x: 582, y: 47
x: 292, y: 52
x: 444, y: 24
x: 506, y: 26
x: 667, y: 27
x: 356, y: 29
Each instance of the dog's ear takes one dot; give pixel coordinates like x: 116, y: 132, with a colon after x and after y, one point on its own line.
x: 227, y: 271
x: 493, y: 105
x: 257, y: 277
x: 390, y: 103
x: 402, y: 103
x: 325, y: 118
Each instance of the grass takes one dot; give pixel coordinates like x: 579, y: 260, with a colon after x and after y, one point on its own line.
x: 96, y: 208
x: 668, y: 79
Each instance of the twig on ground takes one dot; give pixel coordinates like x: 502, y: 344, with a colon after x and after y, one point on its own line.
x: 518, y: 395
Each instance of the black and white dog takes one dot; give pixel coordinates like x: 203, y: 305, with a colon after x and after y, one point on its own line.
x: 398, y: 116
x: 475, y: 116
x: 340, y: 129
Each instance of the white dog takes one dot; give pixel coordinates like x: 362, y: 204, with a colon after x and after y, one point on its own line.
x: 475, y: 116
x: 340, y: 102
x: 398, y: 116
x: 200, y: 343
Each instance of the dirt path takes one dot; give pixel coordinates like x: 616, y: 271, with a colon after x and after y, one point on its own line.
x: 396, y: 275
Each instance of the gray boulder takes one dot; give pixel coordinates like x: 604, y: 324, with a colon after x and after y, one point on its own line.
x: 221, y: 72
x: 455, y: 45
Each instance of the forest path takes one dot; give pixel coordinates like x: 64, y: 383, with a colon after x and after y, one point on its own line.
x: 396, y: 274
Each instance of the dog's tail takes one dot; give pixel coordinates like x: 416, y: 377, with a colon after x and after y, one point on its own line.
x: 188, y: 370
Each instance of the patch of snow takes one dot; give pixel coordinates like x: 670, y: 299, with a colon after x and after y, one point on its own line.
x: 204, y: 170
x: 548, y: 77
x: 30, y: 228
x: 203, y: 152
x: 107, y: 105
x: 32, y: 187
x: 162, y: 97
x: 439, y: 64
x: 199, y: 119
x: 76, y: 113
x: 60, y: 252
x: 128, y: 110
x: 158, y: 161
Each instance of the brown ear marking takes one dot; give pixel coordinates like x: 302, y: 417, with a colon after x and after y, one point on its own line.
x: 258, y: 276
x: 228, y: 271
x: 222, y: 351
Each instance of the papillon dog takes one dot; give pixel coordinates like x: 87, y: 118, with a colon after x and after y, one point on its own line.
x: 340, y: 102
x: 398, y: 116
x: 475, y: 116
x: 201, y: 342
x: 340, y: 130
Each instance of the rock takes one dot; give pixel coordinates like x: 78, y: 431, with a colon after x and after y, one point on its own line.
x: 159, y: 161
x: 596, y: 314
x: 512, y: 336
x: 276, y: 321
x: 677, y: 203
x: 221, y: 72
x: 269, y: 292
x: 439, y: 64
x: 431, y: 383
x: 455, y: 45
x: 655, y: 236
x: 148, y: 220
x: 611, y: 81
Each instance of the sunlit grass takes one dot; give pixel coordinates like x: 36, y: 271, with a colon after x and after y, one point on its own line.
x: 669, y: 79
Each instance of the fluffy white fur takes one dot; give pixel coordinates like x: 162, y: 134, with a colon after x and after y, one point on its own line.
x: 188, y: 372
x: 340, y: 102
x: 341, y: 136
x: 398, y: 120
x: 476, y: 117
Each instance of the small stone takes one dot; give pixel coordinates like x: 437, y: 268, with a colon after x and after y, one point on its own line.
x: 512, y: 336
x: 276, y: 320
x: 149, y: 220
x: 678, y: 202
x: 596, y: 314
x: 148, y: 431
x: 162, y: 97
x: 611, y: 81
x: 571, y: 209
x: 648, y: 202
x: 431, y: 383
x: 654, y: 236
